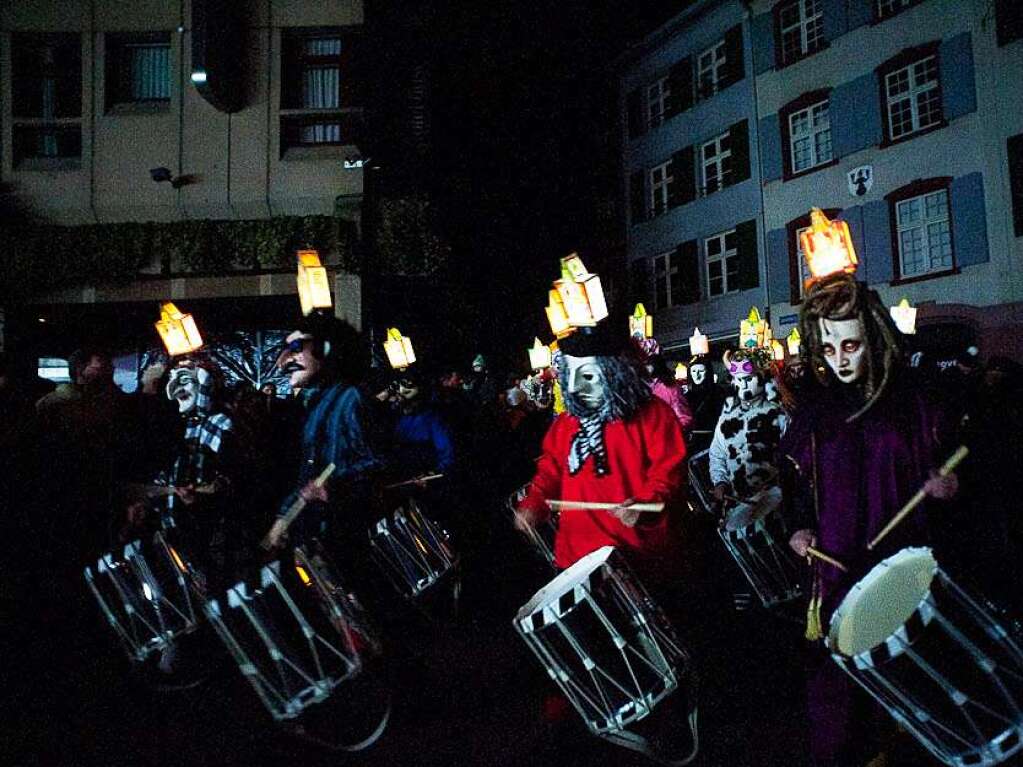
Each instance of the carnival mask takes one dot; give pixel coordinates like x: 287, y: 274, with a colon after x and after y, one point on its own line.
x: 183, y: 388
x: 585, y: 382
x: 844, y: 348
x: 747, y: 382
x: 407, y: 389
x: 297, y: 361
x: 697, y: 374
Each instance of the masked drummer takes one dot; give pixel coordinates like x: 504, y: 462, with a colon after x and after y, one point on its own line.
x: 743, y: 452
x: 615, y: 443
x: 864, y: 438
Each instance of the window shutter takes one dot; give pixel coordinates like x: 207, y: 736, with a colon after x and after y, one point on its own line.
x: 634, y: 109
x: 639, y: 282
x: 969, y: 221
x: 955, y: 67
x: 739, y: 135
x: 353, y: 71
x: 734, y: 64
x: 877, y: 243
x: 637, y: 195
x: 680, y: 80
x: 855, y: 113
x: 835, y: 19
x: 291, y: 72
x: 769, y: 132
x: 683, y: 173
x: 749, y: 267
x: 1015, y: 150
x: 762, y: 33
x: 689, y: 271
x: 778, y: 261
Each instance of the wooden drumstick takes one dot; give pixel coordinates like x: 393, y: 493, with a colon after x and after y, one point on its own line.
x: 297, y: 506
x: 561, y: 505
x: 947, y: 468
x: 414, y: 480
x: 825, y: 558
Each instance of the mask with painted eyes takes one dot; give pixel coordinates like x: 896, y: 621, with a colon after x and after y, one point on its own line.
x: 747, y: 383
x: 183, y: 388
x: 844, y: 347
x: 698, y: 374
x: 585, y: 382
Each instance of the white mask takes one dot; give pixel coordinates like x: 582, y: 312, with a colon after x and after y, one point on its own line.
x: 585, y: 381
x: 749, y: 386
x: 844, y: 347
x: 697, y: 373
x: 183, y: 388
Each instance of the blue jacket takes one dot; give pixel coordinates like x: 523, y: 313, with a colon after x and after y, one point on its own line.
x: 425, y: 429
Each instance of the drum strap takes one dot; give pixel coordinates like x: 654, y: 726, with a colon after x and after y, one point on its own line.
x: 643, y: 746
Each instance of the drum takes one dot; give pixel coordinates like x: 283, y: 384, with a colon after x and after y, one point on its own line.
x: 605, y: 643
x: 412, y: 550
x: 699, y: 482
x: 757, y: 537
x: 934, y: 657
x: 146, y: 594
x: 296, y: 634
x: 541, y: 537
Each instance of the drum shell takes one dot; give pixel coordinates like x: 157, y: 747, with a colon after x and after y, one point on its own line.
x: 762, y: 551
x: 541, y: 536
x: 412, y: 550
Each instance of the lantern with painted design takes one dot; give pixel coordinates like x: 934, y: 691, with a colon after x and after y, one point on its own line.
x: 313, y: 285
x: 399, y: 349
x: 827, y: 247
x: 641, y: 324
x: 178, y: 331
x: 582, y: 296
x: 904, y: 316
x: 752, y: 330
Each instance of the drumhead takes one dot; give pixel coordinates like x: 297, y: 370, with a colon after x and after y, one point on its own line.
x: 565, y: 582
x: 882, y: 602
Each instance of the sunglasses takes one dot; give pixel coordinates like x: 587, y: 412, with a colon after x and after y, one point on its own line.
x: 740, y: 367
x: 296, y: 345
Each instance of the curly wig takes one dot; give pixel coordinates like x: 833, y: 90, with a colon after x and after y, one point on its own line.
x: 842, y: 298
x: 626, y: 392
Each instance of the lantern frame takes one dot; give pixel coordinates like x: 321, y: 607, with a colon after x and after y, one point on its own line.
x: 793, y: 341
x: 539, y: 355
x: 399, y: 349
x: 904, y: 316
x: 313, y: 284
x: 178, y: 331
x: 698, y: 343
x: 827, y: 247
x: 641, y: 324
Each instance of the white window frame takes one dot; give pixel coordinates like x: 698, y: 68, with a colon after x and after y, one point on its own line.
x: 804, y: 270
x: 805, y: 23
x: 670, y: 268
x: 721, y: 256
x: 916, y: 89
x: 811, y: 133
x: 717, y: 161
x: 711, y: 62
x: 659, y: 188
x: 657, y: 95
x: 924, y: 224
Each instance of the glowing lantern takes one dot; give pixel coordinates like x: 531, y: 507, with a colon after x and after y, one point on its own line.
x: 827, y: 247
x: 177, y: 331
x: 399, y: 349
x: 767, y: 340
x: 904, y: 316
x: 777, y: 350
x: 752, y: 330
x: 313, y: 286
x: 582, y: 297
x: 539, y: 356
x: 681, y: 372
x: 698, y: 343
x: 557, y: 316
x: 793, y: 341
x: 641, y: 324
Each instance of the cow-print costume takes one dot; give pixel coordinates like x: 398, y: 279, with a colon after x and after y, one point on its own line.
x: 742, y: 453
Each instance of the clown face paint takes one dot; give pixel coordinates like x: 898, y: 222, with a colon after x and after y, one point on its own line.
x: 585, y: 382
x: 298, y: 362
x: 698, y: 374
x: 183, y: 388
x: 844, y: 347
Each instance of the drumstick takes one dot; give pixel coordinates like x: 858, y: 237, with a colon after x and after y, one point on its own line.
x: 298, y: 505
x: 947, y: 468
x: 825, y: 558
x: 559, y: 505
x: 414, y: 480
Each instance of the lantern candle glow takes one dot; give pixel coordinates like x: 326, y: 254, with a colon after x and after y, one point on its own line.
x: 539, y: 355
x: 681, y: 372
x: 827, y: 247
x: 178, y: 331
x: 641, y: 324
x: 581, y: 294
x: 399, y: 349
x: 313, y: 285
x: 904, y: 316
x: 698, y: 343
x: 777, y: 351
x: 793, y: 342
x: 752, y: 330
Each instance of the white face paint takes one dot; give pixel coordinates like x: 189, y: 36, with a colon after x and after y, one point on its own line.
x: 183, y: 388
x: 749, y: 386
x: 844, y: 347
x: 697, y: 374
x: 584, y: 381
x: 298, y: 362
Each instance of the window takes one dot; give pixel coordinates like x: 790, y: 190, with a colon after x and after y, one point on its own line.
x: 886, y: 8
x: 667, y: 280
x: 138, y: 70
x: 716, y: 163
x: 810, y: 137
x: 711, y: 68
x: 801, y: 267
x: 923, y: 234
x: 1015, y: 150
x: 800, y: 29
x: 46, y: 87
x: 722, y: 258
x: 660, y: 180
x: 912, y: 98
x: 319, y: 102
x: 657, y: 102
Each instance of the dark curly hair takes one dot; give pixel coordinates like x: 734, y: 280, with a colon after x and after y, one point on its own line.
x: 626, y: 392
x: 842, y: 298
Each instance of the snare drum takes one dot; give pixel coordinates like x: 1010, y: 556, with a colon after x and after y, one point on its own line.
x: 700, y: 483
x: 146, y: 594
x: 757, y: 537
x: 605, y: 643
x: 540, y: 536
x: 412, y: 550
x: 934, y: 658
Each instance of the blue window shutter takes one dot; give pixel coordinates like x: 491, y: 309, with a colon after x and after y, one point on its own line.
x: 969, y: 220
x: 876, y: 256
x: 958, y: 88
x: 778, y: 266
x: 860, y: 13
x: 762, y: 30
x: 835, y: 20
x: 770, y: 148
x: 855, y: 115
x: 854, y: 218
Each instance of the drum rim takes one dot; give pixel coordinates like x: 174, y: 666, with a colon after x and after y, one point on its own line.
x: 579, y: 573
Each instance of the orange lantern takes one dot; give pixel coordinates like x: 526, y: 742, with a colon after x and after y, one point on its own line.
x: 313, y: 285
x: 178, y: 331
x: 827, y: 247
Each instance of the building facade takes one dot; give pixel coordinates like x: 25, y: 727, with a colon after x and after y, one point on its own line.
x: 695, y: 241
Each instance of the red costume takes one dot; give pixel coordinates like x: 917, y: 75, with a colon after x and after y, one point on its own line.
x: 646, y: 462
